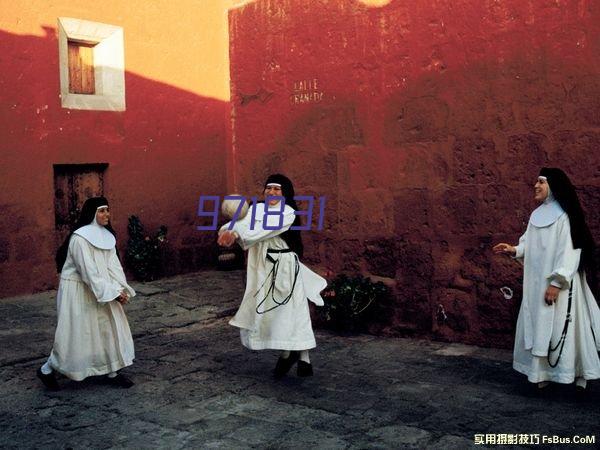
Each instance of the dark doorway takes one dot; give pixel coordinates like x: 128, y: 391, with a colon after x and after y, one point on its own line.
x: 73, y: 185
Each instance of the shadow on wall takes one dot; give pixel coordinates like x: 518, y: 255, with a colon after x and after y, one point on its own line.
x: 427, y: 157
x: 163, y: 152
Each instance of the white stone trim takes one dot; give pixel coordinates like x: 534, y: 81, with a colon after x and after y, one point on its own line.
x: 109, y: 64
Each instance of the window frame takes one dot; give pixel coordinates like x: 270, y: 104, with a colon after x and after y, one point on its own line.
x: 109, y: 64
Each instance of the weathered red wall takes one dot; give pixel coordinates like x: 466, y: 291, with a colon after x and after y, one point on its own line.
x: 435, y: 119
x: 164, y: 151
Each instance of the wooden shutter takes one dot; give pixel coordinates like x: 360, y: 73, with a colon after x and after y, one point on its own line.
x: 81, y: 68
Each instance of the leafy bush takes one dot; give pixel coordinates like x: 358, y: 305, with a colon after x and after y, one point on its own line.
x: 353, y: 303
x: 144, y: 252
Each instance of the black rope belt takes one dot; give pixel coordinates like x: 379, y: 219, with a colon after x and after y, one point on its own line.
x: 563, y: 336
x: 273, y: 274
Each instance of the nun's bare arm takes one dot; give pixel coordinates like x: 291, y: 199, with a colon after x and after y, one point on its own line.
x: 227, y: 239
x: 123, y: 298
x: 505, y: 249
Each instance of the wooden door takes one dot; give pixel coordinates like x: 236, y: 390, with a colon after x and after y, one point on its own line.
x: 73, y: 185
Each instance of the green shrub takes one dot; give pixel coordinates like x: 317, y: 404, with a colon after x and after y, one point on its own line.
x: 144, y: 253
x: 353, y: 303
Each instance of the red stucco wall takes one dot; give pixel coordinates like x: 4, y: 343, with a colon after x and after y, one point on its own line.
x: 433, y: 120
x: 164, y: 151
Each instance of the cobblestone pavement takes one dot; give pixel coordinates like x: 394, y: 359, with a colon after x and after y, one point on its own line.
x: 197, y: 387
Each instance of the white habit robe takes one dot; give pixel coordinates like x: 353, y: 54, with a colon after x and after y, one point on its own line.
x: 287, y: 327
x: 549, y: 258
x: 92, y: 334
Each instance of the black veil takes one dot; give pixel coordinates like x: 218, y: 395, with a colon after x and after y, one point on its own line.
x: 88, y: 212
x: 565, y: 194
x: 291, y: 237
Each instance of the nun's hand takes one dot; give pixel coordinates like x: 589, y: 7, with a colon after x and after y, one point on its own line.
x: 123, y: 298
x: 226, y: 239
x: 506, y: 249
x: 551, y: 295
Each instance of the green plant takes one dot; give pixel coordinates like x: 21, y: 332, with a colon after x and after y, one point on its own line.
x: 143, y: 256
x: 352, y: 303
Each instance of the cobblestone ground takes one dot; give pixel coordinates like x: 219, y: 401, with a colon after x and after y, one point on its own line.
x: 197, y: 387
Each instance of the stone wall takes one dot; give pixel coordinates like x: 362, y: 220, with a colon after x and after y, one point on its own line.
x: 425, y: 125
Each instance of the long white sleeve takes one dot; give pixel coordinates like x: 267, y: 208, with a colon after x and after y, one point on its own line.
x: 105, y: 290
x: 520, y: 248
x: 116, y: 271
x: 566, y: 258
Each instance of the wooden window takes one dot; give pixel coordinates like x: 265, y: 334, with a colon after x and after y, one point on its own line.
x: 91, y: 65
x: 81, y: 67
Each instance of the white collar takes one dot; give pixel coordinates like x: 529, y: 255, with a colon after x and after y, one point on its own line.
x: 547, y: 213
x: 97, y: 235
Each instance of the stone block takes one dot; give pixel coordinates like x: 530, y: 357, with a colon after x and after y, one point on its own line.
x: 475, y: 160
x: 381, y: 257
x: 456, y: 211
x: 525, y: 154
x: 4, y: 250
x: 584, y: 96
x: 576, y: 153
x: 340, y: 127
x: 454, y: 314
x: 412, y: 209
x: 416, y: 119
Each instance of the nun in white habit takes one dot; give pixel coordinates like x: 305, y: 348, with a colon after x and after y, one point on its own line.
x: 92, y: 333
x: 274, y: 312
x: 558, y: 328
